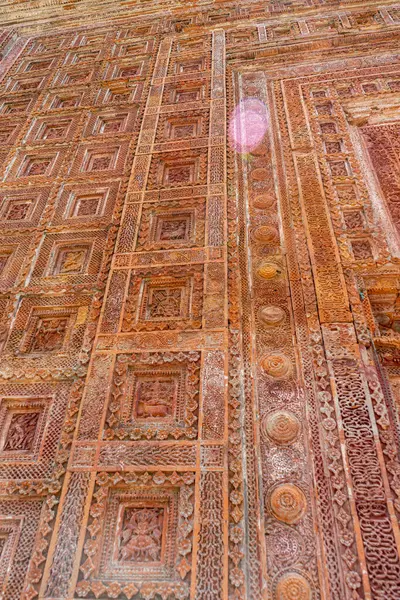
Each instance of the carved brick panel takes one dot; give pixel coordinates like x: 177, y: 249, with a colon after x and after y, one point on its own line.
x: 154, y: 396
x: 167, y: 298
x: 144, y: 543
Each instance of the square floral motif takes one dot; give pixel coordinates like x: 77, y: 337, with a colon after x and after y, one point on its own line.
x: 164, y: 299
x: 70, y: 260
x: 175, y: 226
x: 82, y: 203
x: 22, y: 208
x: 362, y: 250
x: 154, y: 396
x: 171, y: 170
x: 139, y: 538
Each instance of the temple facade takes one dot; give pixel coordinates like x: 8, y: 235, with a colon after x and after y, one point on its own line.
x: 199, y: 300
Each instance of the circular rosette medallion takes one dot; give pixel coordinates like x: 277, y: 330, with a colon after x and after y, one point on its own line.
x: 277, y: 365
x: 271, y: 316
x: 282, y: 427
x: 293, y: 586
x: 288, y: 503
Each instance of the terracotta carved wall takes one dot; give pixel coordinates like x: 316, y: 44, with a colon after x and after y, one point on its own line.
x: 199, y: 293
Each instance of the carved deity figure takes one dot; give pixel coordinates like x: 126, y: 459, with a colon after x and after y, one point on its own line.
x: 141, y: 535
x: 50, y: 334
x: 100, y: 163
x: 38, y: 167
x: 165, y: 303
x: 173, y: 230
x: 179, y: 174
x: 17, y: 211
x: 86, y: 206
x: 155, y: 398
x: 21, y: 432
x: 72, y: 261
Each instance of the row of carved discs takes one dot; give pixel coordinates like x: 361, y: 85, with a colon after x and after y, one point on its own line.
x: 287, y: 501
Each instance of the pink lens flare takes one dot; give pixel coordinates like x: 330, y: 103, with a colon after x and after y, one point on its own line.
x: 248, y: 125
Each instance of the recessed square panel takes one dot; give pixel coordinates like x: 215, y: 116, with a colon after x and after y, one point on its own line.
x: 164, y: 299
x: 111, y: 122
x: 145, y: 538
x: 180, y: 224
x: 52, y: 129
x: 13, y: 252
x: 73, y: 76
x: 100, y: 159
x: 37, y: 165
x: 72, y: 258
x: 171, y: 170
x: 48, y: 328
x: 119, y: 93
x: 22, y: 208
x: 82, y: 202
x: 19, y: 105
x: 160, y: 399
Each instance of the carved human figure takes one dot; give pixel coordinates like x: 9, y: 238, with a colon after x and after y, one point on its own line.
x: 141, y: 534
x: 21, y: 432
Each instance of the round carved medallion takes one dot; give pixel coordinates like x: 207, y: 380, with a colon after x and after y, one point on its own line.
x: 266, y: 234
x: 293, y: 586
x: 277, y: 365
x: 265, y: 201
x: 268, y: 270
x: 271, y: 315
x: 288, y: 503
x: 282, y: 427
x: 259, y: 174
